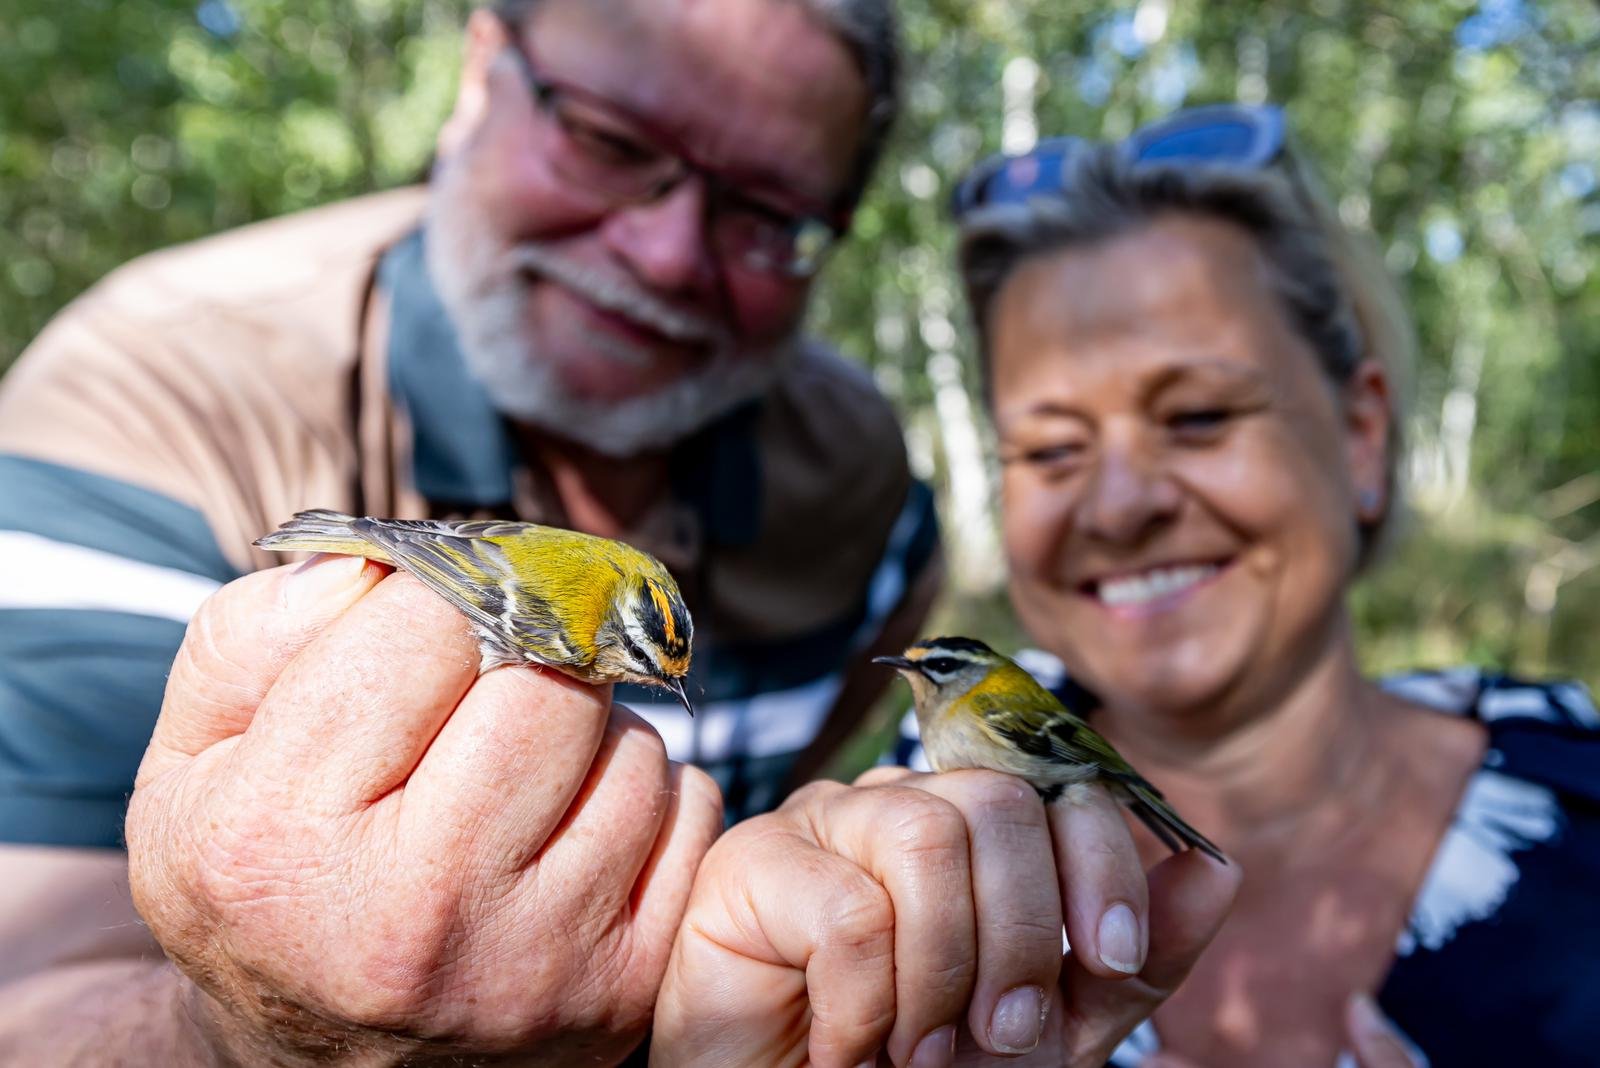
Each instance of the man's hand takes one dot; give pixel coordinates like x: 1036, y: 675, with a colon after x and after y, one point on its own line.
x: 360, y: 851
x: 919, y: 918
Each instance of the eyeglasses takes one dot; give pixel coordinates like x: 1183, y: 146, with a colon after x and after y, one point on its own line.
x: 1237, y: 136
x: 600, y: 150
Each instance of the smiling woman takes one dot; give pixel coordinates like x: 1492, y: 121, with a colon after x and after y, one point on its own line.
x: 1192, y: 369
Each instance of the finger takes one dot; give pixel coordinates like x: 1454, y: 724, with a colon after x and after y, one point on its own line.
x: 1376, y: 1042
x: 1017, y: 901
x: 915, y: 845
x: 594, y: 856
x: 782, y: 922
x: 350, y: 717
x: 693, y: 822
x: 1190, y: 895
x: 237, y: 645
x: 504, y: 769
x: 883, y: 775
x: 1103, y: 891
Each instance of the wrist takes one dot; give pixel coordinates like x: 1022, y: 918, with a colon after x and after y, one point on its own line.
x: 280, y: 1036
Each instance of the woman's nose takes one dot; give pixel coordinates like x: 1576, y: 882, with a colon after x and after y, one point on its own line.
x: 1129, y: 496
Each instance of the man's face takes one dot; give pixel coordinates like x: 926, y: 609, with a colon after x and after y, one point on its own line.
x: 627, y: 324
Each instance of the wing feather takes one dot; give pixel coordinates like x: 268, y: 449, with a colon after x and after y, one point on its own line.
x: 472, y: 573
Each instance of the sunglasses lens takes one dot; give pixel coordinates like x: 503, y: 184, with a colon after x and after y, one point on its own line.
x: 1022, y: 177
x: 1243, y: 137
x: 1240, y: 138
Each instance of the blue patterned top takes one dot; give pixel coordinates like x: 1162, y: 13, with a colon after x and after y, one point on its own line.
x: 1499, y: 963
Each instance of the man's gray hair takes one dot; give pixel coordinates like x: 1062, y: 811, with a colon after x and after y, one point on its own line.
x: 1336, y: 292
x: 870, y: 30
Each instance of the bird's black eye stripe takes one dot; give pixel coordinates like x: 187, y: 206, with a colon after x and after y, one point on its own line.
x: 942, y: 665
x: 633, y: 649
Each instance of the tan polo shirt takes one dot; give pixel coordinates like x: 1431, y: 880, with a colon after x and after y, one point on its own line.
x: 199, y: 396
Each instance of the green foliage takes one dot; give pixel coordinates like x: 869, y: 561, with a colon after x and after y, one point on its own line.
x: 127, y: 125
x: 1465, y: 136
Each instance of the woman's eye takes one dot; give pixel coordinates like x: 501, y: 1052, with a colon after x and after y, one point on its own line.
x: 1047, y: 455
x: 1199, y: 421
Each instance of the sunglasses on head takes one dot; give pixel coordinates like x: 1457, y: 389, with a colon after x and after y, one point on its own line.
x: 1242, y: 136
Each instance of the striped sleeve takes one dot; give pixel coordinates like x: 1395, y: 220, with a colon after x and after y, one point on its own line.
x: 760, y: 704
x: 98, y: 579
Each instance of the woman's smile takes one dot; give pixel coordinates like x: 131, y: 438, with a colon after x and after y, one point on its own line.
x: 1148, y: 591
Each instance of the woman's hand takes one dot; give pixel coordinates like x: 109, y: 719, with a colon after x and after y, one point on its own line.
x: 919, y: 917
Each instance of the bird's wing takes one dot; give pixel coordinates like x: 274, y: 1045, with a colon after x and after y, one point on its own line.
x: 460, y: 564
x: 1029, y: 716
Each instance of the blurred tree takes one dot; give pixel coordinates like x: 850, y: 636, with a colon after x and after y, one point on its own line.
x: 1463, y: 134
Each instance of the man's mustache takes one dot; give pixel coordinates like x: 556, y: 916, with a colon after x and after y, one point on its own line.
x: 613, y: 294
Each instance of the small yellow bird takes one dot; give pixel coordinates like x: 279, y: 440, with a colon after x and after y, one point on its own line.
x: 978, y: 709
x: 594, y: 608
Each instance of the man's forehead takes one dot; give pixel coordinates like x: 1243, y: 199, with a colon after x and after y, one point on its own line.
x: 755, y: 87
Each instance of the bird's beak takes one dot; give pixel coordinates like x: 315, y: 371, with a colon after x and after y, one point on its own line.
x: 676, y: 686
x: 899, y: 663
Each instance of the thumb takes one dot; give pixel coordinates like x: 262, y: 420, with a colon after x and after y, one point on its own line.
x: 1376, y: 1041
x: 1190, y: 896
x: 237, y: 645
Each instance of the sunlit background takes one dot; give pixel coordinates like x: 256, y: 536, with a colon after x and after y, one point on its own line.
x: 1465, y: 136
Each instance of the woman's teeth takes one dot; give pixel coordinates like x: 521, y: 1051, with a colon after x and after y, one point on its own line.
x: 1160, y: 582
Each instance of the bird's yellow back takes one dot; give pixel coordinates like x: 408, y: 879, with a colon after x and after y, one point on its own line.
x: 575, y: 574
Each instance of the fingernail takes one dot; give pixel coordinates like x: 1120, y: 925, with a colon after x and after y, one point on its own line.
x: 1119, y: 940
x: 936, y: 1050
x: 321, y: 578
x: 1018, y: 1020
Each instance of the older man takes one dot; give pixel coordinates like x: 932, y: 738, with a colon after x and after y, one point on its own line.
x: 590, y: 318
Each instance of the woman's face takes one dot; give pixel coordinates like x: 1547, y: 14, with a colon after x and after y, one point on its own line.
x: 1181, y: 480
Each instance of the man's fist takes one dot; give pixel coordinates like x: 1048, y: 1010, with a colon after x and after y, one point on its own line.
x: 359, y: 849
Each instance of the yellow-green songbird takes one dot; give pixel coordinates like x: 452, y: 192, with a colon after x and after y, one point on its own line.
x: 594, y: 608
x: 978, y: 709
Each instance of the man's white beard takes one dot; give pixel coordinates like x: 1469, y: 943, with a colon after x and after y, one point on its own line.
x: 486, y: 298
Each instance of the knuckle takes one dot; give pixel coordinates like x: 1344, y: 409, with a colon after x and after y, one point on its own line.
x: 1024, y: 936
x: 698, y: 791
x: 921, y: 823
x: 997, y: 790
x: 813, y: 794
x: 952, y: 977
x: 882, y: 776
x: 861, y: 917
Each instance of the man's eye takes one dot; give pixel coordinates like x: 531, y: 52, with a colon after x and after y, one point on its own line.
x: 757, y: 224
x: 604, y: 145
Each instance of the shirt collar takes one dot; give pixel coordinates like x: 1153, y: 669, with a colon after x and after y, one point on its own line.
x: 461, y: 448
x: 464, y: 452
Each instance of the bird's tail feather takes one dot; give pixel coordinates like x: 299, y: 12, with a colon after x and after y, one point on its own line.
x: 323, y: 531
x: 1155, y: 813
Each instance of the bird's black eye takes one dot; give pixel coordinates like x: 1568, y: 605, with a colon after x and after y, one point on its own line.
x: 942, y: 665
x: 633, y: 650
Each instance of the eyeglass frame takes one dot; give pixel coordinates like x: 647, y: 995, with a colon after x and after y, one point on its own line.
x: 827, y: 231
x: 1266, y: 122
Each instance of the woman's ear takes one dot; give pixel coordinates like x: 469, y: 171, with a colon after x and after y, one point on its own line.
x: 486, y: 37
x: 1369, y: 417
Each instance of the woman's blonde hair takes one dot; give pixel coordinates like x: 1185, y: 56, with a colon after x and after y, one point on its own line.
x: 1334, y: 287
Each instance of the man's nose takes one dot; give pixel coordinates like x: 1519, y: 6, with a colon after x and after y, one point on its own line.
x: 664, y: 240
x: 1129, y: 496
